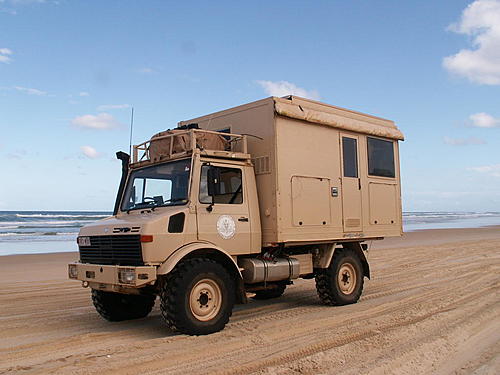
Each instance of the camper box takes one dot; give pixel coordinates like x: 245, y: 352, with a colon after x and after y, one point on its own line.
x: 323, y: 173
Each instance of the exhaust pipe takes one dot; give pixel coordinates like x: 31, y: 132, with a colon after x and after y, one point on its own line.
x: 125, y: 158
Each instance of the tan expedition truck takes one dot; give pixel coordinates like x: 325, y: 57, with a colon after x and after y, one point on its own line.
x: 244, y: 201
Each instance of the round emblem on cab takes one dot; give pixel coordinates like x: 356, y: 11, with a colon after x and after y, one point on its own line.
x: 226, y: 227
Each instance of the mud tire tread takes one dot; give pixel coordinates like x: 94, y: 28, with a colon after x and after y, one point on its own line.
x: 116, y: 307
x: 326, y: 280
x: 175, y: 289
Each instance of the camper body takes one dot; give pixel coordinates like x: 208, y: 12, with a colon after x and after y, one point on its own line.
x: 244, y: 202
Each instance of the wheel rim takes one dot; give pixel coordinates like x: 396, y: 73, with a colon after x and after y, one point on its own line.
x: 347, y: 278
x: 205, y: 300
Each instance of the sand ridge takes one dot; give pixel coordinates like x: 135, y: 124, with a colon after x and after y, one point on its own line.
x: 431, y: 309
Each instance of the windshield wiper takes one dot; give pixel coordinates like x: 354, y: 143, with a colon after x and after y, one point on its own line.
x: 175, y: 200
x: 152, y: 205
x: 144, y: 205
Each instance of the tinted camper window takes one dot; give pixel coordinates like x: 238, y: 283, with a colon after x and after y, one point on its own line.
x: 380, y: 157
x: 350, y: 157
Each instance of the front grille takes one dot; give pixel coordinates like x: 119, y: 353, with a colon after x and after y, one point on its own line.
x: 122, y: 250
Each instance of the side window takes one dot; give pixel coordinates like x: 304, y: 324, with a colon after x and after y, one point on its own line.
x: 380, y: 157
x: 231, y: 187
x: 350, y: 156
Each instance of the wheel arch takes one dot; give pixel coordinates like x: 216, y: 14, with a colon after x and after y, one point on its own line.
x: 328, y: 252
x: 209, y: 251
x: 356, y: 247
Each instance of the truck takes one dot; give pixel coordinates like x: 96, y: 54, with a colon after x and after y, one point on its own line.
x: 238, y: 204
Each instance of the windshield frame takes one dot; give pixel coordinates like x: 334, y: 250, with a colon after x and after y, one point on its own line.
x: 154, y: 206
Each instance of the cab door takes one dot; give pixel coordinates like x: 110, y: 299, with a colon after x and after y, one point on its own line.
x: 351, y: 183
x: 224, y: 222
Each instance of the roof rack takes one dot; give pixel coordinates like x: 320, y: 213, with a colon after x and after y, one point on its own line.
x: 188, y: 141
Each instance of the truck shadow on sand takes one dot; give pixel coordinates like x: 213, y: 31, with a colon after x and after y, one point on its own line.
x: 153, y: 326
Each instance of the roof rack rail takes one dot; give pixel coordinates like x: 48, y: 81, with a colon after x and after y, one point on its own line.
x: 175, y: 143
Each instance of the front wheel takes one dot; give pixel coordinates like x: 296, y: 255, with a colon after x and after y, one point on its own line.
x: 197, y: 297
x: 342, y: 282
x: 116, y: 307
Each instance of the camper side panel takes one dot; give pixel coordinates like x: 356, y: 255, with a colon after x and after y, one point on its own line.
x: 321, y: 195
x: 308, y: 167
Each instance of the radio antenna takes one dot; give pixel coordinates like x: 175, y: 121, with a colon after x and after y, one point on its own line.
x: 131, y: 128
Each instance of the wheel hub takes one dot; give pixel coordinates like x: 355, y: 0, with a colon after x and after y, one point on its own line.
x: 205, y: 300
x: 347, y: 278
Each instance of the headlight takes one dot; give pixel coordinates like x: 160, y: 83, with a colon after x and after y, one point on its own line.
x: 72, y: 271
x: 126, y: 275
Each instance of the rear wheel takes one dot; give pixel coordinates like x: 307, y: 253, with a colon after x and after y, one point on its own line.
x: 342, y: 282
x: 116, y: 307
x: 270, y: 293
x: 197, y: 297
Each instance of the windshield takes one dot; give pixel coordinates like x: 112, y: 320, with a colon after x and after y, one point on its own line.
x: 159, y: 185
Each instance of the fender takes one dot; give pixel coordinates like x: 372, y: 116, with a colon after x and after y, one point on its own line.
x: 324, y: 258
x: 169, y: 264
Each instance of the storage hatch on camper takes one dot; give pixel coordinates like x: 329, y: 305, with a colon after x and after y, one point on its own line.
x: 310, y: 201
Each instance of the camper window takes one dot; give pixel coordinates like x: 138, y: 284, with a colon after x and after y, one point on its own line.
x: 350, y: 157
x: 380, y: 158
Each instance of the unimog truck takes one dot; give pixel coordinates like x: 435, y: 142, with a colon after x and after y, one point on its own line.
x: 239, y: 203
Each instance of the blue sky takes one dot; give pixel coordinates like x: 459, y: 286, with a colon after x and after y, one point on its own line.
x: 70, y: 70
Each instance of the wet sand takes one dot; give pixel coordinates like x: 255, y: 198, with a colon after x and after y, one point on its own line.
x: 432, y: 306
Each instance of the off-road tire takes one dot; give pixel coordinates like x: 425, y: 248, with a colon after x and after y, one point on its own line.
x: 179, y: 292
x: 270, y: 293
x: 116, y: 307
x: 327, y: 280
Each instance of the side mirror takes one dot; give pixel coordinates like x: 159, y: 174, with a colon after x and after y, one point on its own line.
x: 213, y: 181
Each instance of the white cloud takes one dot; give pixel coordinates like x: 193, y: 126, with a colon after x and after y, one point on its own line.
x: 463, y: 141
x: 17, y: 154
x: 10, y: 6
x: 5, y: 54
x: 90, y: 152
x: 30, y: 91
x: 107, y: 107
x: 101, y: 121
x: 83, y: 93
x: 492, y: 170
x: 481, y: 64
x: 283, y: 88
x: 484, y: 120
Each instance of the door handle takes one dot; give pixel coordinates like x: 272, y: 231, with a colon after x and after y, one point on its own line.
x: 243, y: 219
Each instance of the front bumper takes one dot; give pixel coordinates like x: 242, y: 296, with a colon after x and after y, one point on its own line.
x: 109, y: 277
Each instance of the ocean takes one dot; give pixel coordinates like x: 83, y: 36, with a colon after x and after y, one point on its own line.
x: 26, y: 232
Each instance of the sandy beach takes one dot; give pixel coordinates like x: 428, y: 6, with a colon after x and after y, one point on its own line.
x: 432, y: 306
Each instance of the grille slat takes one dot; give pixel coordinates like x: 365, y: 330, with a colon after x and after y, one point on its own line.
x: 122, y: 250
